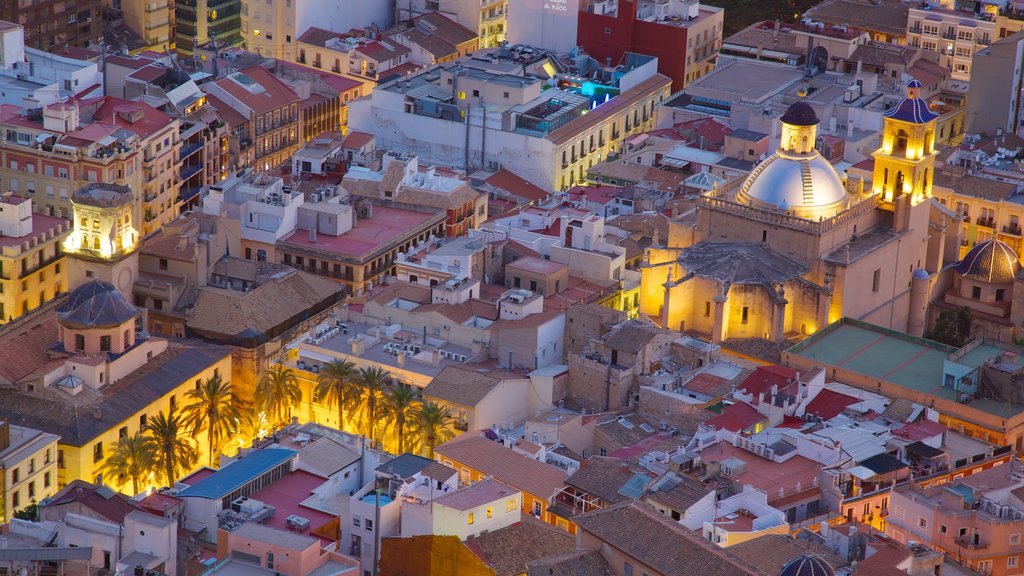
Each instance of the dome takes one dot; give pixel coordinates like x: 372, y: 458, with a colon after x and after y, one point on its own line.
x: 96, y: 304
x: 807, y: 566
x: 808, y: 186
x: 991, y: 261
x: 800, y: 114
x: 912, y: 108
x: 920, y: 274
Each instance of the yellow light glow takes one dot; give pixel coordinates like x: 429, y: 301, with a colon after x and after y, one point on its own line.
x: 256, y: 32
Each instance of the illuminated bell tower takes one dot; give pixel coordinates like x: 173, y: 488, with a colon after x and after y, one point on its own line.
x: 905, y: 164
x: 103, y: 244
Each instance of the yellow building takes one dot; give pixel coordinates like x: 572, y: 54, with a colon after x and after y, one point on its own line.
x: 790, y: 250
x: 153, y: 20
x: 32, y: 267
x: 28, y: 468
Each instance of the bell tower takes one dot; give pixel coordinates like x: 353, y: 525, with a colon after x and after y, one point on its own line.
x: 905, y: 163
x: 104, y: 240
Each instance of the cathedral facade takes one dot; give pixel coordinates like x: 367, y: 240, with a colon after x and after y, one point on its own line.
x: 793, y: 247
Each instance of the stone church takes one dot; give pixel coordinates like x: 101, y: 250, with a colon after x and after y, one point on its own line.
x: 793, y: 247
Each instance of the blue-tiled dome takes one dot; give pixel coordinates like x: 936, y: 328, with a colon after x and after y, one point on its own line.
x: 912, y: 108
x: 96, y: 304
x: 800, y: 114
x: 807, y: 566
x: 990, y: 261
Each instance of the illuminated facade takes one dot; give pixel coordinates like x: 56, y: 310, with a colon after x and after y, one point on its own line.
x: 32, y: 269
x: 104, y: 237
x: 792, y: 248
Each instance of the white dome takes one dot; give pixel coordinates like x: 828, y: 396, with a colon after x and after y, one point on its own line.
x: 804, y: 185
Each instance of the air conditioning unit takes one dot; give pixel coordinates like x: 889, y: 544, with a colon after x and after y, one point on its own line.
x: 298, y: 522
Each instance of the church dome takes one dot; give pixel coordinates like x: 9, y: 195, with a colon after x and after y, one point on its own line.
x: 807, y: 566
x: 991, y: 261
x: 808, y: 187
x: 96, y: 304
x: 796, y: 179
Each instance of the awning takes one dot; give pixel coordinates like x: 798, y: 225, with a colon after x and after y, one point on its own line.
x: 674, y: 162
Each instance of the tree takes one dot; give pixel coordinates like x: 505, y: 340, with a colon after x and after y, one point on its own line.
x: 172, y: 452
x: 277, y: 393
x: 372, y: 384
x: 433, y: 425
x: 132, y: 458
x: 399, y: 405
x: 29, y: 513
x: 336, y: 386
x: 212, y: 409
x: 953, y: 327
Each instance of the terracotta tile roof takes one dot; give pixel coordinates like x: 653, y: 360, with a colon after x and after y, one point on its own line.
x: 275, y: 93
x: 101, y: 500
x: 317, y: 36
x: 382, y: 50
x: 920, y: 430
x: 958, y: 180
x: 640, y: 532
x: 461, y: 386
x: 81, y: 419
x: 25, y: 346
x: 150, y: 122
x: 508, y: 550
x: 708, y: 384
x: 632, y: 335
x: 437, y: 471
x: 476, y: 494
x: 515, y: 185
x: 773, y: 551
x: 475, y: 451
x: 262, y: 312
x: 736, y: 417
x: 438, y: 34
x: 356, y: 139
x: 229, y: 115
x: 575, y: 563
x: 887, y: 16
x: 602, y: 476
x: 764, y: 377
x: 828, y: 404
x: 883, y: 562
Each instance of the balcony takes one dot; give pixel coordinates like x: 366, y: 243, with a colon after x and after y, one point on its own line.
x: 461, y: 425
x: 914, y: 30
x: 190, y: 171
x: 189, y: 150
x: 971, y: 544
x: 185, y: 194
x: 1012, y: 229
x: 986, y: 222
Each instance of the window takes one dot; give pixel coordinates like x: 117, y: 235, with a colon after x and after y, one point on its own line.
x: 976, y: 292
x: 163, y: 263
x: 1000, y: 294
x: 876, y: 280
x: 536, y: 509
x: 15, y: 476
x: 899, y: 512
x: 104, y: 343
x: 1014, y: 539
x: 963, y: 532
x: 97, y: 452
x: 31, y: 490
x: 368, y: 525
x: 921, y: 522
x: 511, y: 505
x: 79, y: 342
x: 707, y: 309
x: 270, y: 560
x: 745, y: 315
x: 627, y: 569
x: 943, y: 529
x: 985, y: 566
x: 46, y: 479
x: 356, y: 521
x: 122, y: 433
x: 469, y: 519
x: 142, y: 421
x: 1011, y: 562
x: 490, y: 512
x: 16, y: 500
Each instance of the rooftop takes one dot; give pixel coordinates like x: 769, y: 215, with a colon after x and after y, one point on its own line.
x: 476, y: 494
x: 476, y: 451
x: 369, y: 234
x: 278, y: 538
x: 461, y: 386
x: 507, y: 550
x: 913, y: 363
x: 237, y: 474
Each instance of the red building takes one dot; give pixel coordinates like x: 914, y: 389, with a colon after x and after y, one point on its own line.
x: 683, y: 35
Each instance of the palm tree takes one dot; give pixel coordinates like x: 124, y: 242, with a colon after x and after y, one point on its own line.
x: 212, y: 409
x: 372, y: 383
x: 172, y: 452
x: 433, y: 425
x: 399, y: 404
x: 131, y: 458
x: 277, y: 392
x: 335, y: 386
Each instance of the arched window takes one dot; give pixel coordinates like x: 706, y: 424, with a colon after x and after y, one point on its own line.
x: 900, y: 142
x: 96, y: 243
x: 898, y: 184
x: 929, y: 141
x: 85, y: 241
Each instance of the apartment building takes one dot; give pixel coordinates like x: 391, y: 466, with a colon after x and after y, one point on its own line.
x: 956, y: 35
x: 684, y: 36
x: 271, y: 29
x: 28, y: 462
x: 400, y: 182
x: 491, y: 110
x: 152, y: 20
x: 32, y: 267
x: 363, y: 57
x: 999, y: 69
x: 54, y: 23
x: 200, y: 22
x: 488, y: 19
x: 271, y: 130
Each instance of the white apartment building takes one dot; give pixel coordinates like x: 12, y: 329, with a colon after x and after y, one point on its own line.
x: 955, y: 35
